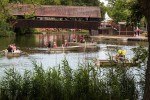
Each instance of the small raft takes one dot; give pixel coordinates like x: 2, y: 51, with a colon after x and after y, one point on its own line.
x: 111, y: 63
x: 9, y: 54
x: 68, y: 48
x: 113, y: 47
x: 86, y: 44
x: 17, y: 53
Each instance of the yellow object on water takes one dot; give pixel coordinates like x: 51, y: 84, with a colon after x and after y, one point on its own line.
x: 124, y: 52
x: 119, y: 51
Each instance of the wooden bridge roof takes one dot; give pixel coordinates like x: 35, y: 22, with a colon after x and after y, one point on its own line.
x: 55, y: 11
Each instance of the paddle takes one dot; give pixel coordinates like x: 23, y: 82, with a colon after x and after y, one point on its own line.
x: 2, y: 52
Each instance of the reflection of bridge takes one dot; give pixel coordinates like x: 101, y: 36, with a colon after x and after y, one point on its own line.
x: 44, y: 16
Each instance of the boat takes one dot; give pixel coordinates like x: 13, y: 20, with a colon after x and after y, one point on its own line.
x: 59, y: 49
x: 86, y: 44
x: 10, y: 54
x: 113, y: 63
x: 17, y: 53
x: 68, y: 48
x: 113, y: 47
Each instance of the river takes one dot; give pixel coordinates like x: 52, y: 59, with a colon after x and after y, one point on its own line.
x: 28, y: 42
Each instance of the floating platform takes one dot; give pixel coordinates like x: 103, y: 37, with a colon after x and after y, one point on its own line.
x: 12, y: 54
x: 138, y: 39
x: 113, y: 47
x: 68, y: 48
x: 85, y: 45
x: 18, y: 53
x: 113, y: 63
x: 121, y: 38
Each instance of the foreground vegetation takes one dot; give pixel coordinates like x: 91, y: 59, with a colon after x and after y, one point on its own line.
x: 64, y: 83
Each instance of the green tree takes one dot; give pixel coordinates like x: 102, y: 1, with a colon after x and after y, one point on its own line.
x: 119, y: 10
x: 111, y: 2
x: 52, y: 2
x: 136, y: 13
x: 66, y: 2
x: 6, y: 29
x: 91, y: 2
x: 86, y: 2
x: 103, y: 10
x: 78, y: 2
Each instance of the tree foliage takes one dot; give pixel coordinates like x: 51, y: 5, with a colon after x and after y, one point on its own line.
x: 103, y: 10
x: 5, y: 27
x: 125, y: 10
x: 136, y: 13
x: 59, y: 2
x: 119, y: 9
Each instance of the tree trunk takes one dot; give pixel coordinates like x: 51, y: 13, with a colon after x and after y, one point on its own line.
x: 145, y: 4
x: 147, y: 75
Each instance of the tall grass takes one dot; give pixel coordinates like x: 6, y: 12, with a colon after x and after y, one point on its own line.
x: 64, y: 83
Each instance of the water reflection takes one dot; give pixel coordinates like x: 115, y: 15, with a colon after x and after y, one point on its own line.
x: 40, y: 40
x: 5, y: 41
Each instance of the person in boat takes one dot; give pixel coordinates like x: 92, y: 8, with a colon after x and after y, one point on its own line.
x: 121, y: 55
x: 82, y: 40
x: 14, y: 48
x: 66, y: 43
x: 49, y: 45
x: 10, y: 49
x: 74, y: 40
x: 55, y: 45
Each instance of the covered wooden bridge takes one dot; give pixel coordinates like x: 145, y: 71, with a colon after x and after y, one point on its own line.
x: 46, y: 16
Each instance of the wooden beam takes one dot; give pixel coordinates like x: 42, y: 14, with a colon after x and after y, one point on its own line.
x: 56, y: 24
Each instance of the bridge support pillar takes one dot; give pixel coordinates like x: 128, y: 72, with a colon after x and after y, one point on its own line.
x: 93, y: 32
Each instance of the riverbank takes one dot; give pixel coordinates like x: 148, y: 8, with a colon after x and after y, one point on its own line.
x: 120, y: 38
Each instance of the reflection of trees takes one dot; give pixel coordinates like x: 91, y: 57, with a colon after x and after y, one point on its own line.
x: 5, y: 41
x: 26, y: 41
x: 59, y: 38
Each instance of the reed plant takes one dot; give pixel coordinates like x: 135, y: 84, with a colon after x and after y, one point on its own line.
x: 141, y: 57
x: 63, y: 83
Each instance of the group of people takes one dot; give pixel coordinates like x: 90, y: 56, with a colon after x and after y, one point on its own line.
x: 121, y: 55
x: 12, y: 48
x: 50, y: 44
x: 54, y: 44
x: 82, y: 40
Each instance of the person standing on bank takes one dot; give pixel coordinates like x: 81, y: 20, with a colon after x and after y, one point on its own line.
x: 137, y: 31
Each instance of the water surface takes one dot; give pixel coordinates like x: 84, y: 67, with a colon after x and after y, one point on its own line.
x: 25, y: 43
